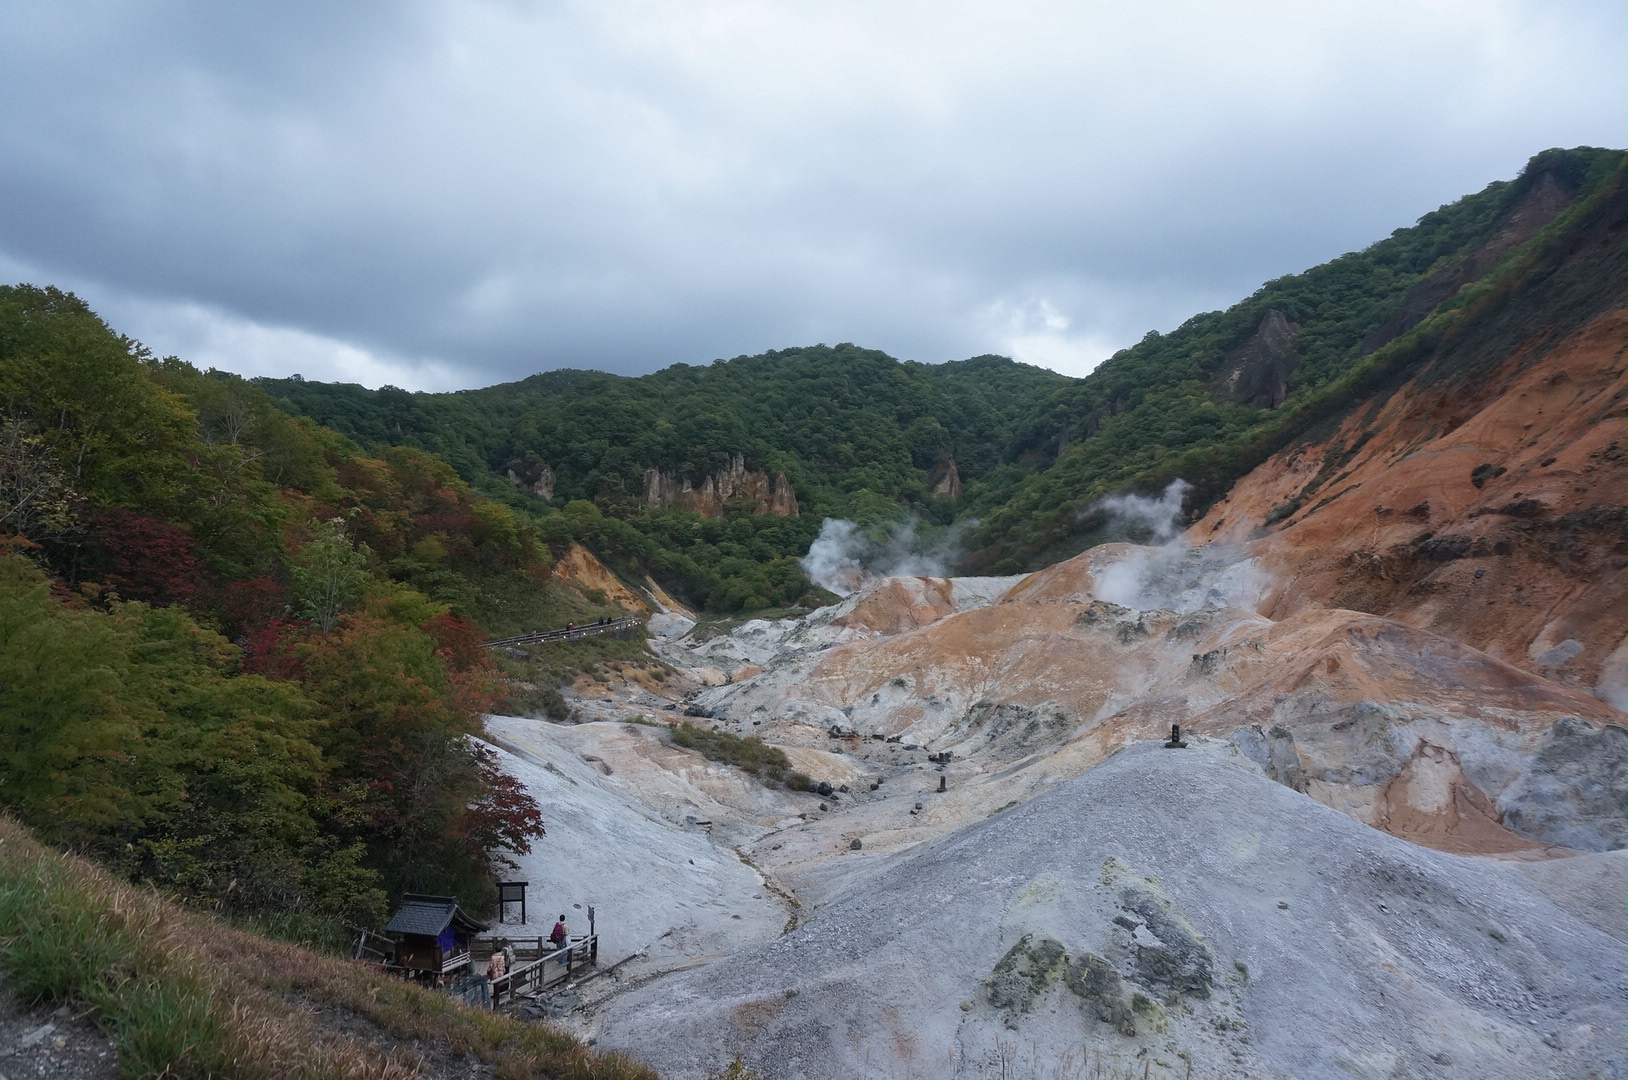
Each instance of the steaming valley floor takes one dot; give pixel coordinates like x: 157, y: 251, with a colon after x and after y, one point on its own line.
x: 1382, y: 854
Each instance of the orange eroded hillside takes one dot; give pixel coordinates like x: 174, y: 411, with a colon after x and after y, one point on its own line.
x: 579, y: 568
x: 1489, y: 511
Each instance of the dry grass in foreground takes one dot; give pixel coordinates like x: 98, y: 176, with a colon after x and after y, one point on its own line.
x: 187, y: 996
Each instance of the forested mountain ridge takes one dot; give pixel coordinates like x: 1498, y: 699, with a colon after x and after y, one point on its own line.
x: 1170, y: 406
x: 857, y: 433
x: 836, y: 420
x: 860, y: 435
x: 237, y: 654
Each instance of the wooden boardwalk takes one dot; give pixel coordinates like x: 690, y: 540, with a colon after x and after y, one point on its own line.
x: 571, y: 633
x: 539, y: 966
x: 549, y: 968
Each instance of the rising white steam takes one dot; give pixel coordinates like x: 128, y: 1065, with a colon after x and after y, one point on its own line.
x: 901, y: 554
x: 842, y: 558
x: 1172, y: 575
x: 1161, y: 516
x: 832, y: 561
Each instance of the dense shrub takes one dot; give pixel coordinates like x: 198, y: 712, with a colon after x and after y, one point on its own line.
x: 752, y: 755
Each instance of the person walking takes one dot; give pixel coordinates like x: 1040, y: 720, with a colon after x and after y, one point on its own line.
x: 560, y: 936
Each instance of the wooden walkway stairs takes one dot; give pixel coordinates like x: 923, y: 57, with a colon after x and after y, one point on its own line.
x: 540, y: 967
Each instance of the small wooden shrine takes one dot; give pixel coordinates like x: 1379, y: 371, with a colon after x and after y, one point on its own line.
x: 434, y: 934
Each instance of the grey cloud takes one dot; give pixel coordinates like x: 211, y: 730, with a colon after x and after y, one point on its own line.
x: 498, y: 188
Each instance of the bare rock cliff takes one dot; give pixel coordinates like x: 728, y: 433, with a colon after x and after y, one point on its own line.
x: 578, y: 568
x: 771, y: 492
x: 946, y: 478
x: 1257, y: 373
x: 538, y: 482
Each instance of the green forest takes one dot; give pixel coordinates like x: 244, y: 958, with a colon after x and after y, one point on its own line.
x: 238, y: 654
x: 239, y: 620
x: 861, y: 435
x: 856, y: 432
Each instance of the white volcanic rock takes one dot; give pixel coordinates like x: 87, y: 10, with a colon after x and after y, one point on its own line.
x: 618, y: 839
x: 1404, y: 729
x: 1173, y: 912
x: 669, y: 627
x: 884, y: 605
x: 982, y: 796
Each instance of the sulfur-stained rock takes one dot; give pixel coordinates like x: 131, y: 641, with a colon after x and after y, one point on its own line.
x: 1502, y: 523
x: 1021, y: 977
x: 1095, y: 982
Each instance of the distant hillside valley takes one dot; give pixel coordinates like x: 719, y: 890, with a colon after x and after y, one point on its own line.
x: 988, y: 466
x: 1252, y: 707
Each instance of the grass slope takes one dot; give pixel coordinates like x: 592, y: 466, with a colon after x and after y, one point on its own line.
x: 188, y: 996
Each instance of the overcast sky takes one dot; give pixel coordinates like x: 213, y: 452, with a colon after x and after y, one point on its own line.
x: 442, y: 195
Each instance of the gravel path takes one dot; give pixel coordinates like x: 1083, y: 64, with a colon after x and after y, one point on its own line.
x: 51, y: 1042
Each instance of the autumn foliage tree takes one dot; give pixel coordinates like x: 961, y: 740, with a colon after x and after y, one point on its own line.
x: 239, y: 656
x: 147, y: 559
x: 399, y: 721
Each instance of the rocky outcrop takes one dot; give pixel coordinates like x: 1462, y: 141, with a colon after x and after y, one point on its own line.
x: 894, y: 604
x: 1257, y: 372
x: 771, y: 493
x: 1571, y: 792
x: 945, y: 478
x: 536, y: 480
x: 579, y: 569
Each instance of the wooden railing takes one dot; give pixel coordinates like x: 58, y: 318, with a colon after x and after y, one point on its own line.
x: 374, y: 948
x: 525, y: 948
x: 570, y: 961
x: 548, y: 965
x: 572, y: 633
